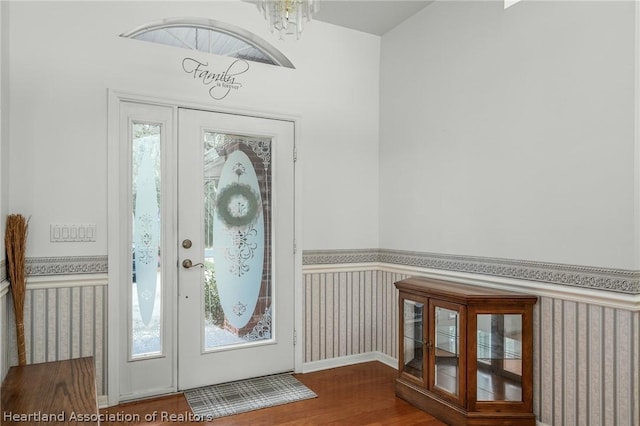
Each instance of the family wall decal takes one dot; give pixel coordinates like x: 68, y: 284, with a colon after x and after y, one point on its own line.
x: 220, y: 83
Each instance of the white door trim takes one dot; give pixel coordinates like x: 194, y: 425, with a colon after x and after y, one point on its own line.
x: 117, y: 228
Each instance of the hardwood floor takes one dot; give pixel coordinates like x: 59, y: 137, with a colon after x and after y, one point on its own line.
x: 361, y: 394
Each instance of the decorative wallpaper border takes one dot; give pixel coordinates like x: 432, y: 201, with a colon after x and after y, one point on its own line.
x: 332, y: 257
x: 618, y: 280
x: 37, y: 266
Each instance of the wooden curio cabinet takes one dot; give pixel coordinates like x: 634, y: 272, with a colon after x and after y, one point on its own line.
x: 466, y: 352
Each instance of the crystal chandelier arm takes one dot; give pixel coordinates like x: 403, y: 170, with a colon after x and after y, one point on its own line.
x: 286, y: 16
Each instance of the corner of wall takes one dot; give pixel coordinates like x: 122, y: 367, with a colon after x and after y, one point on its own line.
x: 636, y: 157
x: 4, y: 141
x: 4, y: 111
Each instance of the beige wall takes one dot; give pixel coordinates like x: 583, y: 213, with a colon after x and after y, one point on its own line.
x: 4, y: 171
x: 509, y: 148
x: 511, y: 133
x: 58, y: 102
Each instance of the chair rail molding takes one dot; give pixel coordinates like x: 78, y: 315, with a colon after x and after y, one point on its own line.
x: 616, y: 288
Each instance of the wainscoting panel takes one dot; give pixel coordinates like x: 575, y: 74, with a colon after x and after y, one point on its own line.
x: 586, y: 323
x: 586, y: 369
x: 64, y: 319
x: 586, y: 356
x: 350, y: 313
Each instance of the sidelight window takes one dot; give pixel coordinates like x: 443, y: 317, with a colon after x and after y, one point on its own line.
x: 146, y: 294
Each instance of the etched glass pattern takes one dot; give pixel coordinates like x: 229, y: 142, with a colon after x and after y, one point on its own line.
x: 146, y: 294
x: 237, y: 283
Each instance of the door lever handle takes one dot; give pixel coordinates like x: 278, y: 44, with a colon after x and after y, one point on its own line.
x: 187, y: 263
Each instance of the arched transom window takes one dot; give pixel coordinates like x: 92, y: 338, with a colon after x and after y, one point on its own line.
x: 210, y: 36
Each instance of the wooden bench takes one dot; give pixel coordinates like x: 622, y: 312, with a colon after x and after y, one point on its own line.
x: 52, y: 393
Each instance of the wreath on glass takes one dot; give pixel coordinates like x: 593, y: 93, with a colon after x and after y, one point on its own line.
x: 237, y: 205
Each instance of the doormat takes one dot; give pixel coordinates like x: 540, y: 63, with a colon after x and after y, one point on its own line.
x: 226, y: 399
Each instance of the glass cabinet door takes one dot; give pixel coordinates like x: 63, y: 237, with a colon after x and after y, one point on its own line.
x: 499, y: 355
x: 413, y: 338
x: 445, y: 359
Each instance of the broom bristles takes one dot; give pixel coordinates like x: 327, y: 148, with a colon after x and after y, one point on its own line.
x: 15, y: 240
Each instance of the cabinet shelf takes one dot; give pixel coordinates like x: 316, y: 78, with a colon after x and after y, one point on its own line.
x: 467, y: 352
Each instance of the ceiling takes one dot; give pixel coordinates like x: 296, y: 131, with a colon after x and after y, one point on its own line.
x: 370, y: 16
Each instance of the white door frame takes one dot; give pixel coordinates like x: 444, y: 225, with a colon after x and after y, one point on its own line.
x: 117, y: 229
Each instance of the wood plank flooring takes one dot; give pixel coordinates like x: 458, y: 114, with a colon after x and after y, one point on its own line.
x: 361, y: 394
x: 63, y: 390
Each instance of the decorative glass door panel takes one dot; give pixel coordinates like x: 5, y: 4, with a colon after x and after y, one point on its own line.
x: 146, y: 290
x: 142, y: 252
x: 499, y: 354
x: 446, y: 349
x: 235, y: 227
x: 413, y: 338
x: 237, y: 276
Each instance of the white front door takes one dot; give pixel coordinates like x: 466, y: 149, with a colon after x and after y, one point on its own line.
x: 235, y: 247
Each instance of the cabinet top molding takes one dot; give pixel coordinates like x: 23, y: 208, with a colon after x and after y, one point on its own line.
x: 461, y: 293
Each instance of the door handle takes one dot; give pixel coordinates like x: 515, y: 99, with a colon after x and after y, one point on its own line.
x: 187, y: 264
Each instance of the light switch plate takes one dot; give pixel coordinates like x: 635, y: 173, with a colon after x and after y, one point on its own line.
x: 74, y: 232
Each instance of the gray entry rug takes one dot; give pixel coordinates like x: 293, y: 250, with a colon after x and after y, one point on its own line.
x: 231, y: 398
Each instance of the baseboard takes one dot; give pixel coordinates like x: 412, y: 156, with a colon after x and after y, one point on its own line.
x: 386, y: 359
x: 103, y: 401
x: 344, y: 361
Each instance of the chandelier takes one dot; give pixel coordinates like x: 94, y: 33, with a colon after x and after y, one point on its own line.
x: 286, y: 16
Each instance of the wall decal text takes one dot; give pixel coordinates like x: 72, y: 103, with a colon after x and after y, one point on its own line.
x: 220, y: 83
